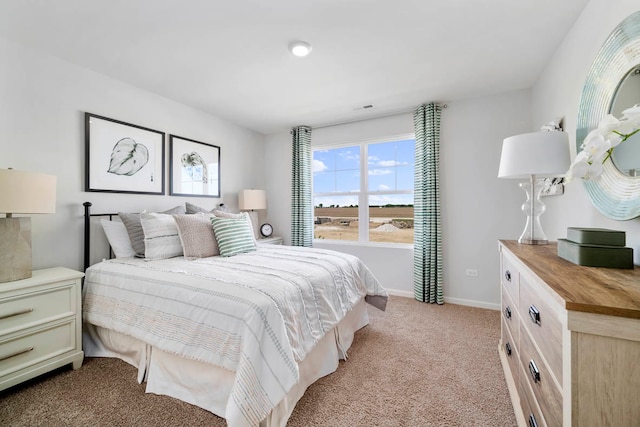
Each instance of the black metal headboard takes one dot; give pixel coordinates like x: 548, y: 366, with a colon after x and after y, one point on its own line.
x: 87, y: 232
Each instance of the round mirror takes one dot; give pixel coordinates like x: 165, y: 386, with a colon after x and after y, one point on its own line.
x: 616, y: 194
x: 626, y: 157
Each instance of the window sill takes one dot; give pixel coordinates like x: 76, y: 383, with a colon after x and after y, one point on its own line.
x: 404, y: 246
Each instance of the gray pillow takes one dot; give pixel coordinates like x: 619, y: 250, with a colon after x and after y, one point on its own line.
x: 193, y: 209
x: 196, y: 235
x: 132, y: 223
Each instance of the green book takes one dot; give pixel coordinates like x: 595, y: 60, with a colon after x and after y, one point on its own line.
x: 596, y: 236
x: 595, y: 255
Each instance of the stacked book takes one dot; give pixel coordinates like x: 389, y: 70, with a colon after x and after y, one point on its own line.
x: 596, y: 247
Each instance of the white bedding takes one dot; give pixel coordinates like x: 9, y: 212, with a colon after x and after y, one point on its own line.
x: 257, y: 314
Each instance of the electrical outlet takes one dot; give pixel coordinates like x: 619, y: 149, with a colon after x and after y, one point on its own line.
x: 472, y: 272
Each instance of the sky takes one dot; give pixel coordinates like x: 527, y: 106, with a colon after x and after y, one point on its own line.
x: 390, y: 168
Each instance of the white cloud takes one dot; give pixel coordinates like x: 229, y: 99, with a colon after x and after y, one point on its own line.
x: 319, y: 166
x: 377, y: 172
x: 383, y: 187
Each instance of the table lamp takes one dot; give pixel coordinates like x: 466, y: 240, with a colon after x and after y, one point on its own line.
x: 534, y: 156
x: 21, y: 193
x: 252, y: 200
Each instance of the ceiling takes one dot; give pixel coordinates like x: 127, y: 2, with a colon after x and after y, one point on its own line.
x: 230, y: 58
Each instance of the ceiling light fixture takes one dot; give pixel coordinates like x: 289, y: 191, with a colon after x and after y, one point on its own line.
x: 300, y: 48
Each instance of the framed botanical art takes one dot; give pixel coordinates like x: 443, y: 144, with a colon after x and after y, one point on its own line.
x: 194, y: 168
x: 123, y: 158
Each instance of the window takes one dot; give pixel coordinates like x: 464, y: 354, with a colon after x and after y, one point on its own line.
x: 377, y: 175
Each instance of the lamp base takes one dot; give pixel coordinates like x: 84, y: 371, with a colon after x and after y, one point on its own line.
x: 533, y: 208
x: 15, y: 249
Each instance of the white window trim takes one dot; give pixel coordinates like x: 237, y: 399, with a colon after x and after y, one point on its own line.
x: 363, y: 214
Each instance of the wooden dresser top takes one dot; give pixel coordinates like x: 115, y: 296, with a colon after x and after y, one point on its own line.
x: 610, y: 291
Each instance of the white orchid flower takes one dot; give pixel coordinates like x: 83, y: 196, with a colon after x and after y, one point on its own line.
x: 632, y: 114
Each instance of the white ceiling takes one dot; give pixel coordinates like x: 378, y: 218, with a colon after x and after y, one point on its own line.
x: 230, y: 58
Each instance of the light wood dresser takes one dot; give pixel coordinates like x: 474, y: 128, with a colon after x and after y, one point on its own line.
x: 570, y: 345
x: 40, y: 325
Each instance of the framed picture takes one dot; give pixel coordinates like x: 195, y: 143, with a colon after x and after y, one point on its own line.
x: 194, y: 168
x: 123, y: 158
x: 553, y: 187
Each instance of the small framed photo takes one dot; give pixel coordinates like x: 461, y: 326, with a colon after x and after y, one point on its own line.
x: 553, y: 187
x: 123, y: 158
x: 194, y: 168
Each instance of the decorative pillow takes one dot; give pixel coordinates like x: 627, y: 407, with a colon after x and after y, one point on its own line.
x: 193, y: 209
x: 118, y: 238
x: 136, y: 234
x: 234, y: 235
x: 241, y: 215
x: 196, y: 235
x: 161, y: 238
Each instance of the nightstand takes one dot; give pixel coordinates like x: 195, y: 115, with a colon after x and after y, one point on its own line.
x: 270, y: 241
x: 40, y: 325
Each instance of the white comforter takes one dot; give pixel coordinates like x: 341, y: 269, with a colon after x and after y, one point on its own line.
x: 257, y: 314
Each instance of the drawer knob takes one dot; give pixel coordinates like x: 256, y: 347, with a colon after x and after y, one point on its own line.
x: 507, y: 349
x: 535, y: 373
x: 532, y: 421
x: 534, y: 314
x: 507, y: 312
x: 507, y: 275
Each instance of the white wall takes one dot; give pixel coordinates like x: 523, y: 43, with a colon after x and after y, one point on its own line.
x: 477, y: 207
x: 42, y: 105
x: 558, y: 92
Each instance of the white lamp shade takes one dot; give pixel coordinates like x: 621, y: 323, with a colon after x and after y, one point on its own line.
x: 538, y: 153
x: 27, y: 192
x: 252, y: 199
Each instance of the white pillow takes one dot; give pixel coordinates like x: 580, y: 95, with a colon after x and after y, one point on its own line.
x: 118, y: 238
x: 161, y: 239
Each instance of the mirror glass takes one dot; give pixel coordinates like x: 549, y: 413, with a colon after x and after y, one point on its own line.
x: 616, y: 194
x: 626, y: 156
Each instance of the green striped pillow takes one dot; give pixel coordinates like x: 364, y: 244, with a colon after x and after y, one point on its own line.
x: 234, y: 235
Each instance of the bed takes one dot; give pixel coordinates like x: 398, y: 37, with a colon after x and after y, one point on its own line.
x: 242, y: 336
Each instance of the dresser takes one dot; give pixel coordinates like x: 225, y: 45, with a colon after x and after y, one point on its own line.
x: 40, y: 325
x: 570, y: 339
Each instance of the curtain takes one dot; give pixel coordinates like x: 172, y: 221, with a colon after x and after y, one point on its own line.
x: 427, y: 258
x: 301, y: 208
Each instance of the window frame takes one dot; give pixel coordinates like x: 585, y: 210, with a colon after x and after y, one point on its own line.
x: 364, y: 193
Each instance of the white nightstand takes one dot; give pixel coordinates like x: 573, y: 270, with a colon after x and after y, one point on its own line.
x: 40, y: 325
x: 270, y: 241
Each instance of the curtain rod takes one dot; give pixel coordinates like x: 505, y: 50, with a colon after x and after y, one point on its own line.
x: 381, y: 116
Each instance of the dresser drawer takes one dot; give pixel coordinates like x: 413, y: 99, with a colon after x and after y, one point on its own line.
x: 543, y: 323
x: 510, y: 276
x: 510, y: 315
x: 22, y: 311
x: 547, y: 393
x: 510, y: 348
x: 530, y: 409
x: 40, y: 345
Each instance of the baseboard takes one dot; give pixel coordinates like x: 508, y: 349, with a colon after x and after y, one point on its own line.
x: 459, y: 301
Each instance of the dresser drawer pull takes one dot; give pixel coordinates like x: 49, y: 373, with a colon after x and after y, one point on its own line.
x: 16, y: 313
x: 507, y: 276
x: 507, y: 348
x: 16, y: 353
x: 532, y: 421
x: 507, y: 312
x: 534, y: 314
x: 535, y: 373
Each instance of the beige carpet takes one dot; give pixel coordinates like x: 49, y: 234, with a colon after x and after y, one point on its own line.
x: 414, y: 365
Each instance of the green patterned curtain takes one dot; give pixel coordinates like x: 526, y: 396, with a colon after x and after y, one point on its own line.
x: 301, y: 208
x: 427, y: 257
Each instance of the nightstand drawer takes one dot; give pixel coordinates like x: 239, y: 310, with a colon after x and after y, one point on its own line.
x: 543, y: 322
x: 510, y: 315
x: 540, y: 380
x: 27, y: 350
x: 510, y: 348
x: 22, y: 311
x: 510, y: 277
